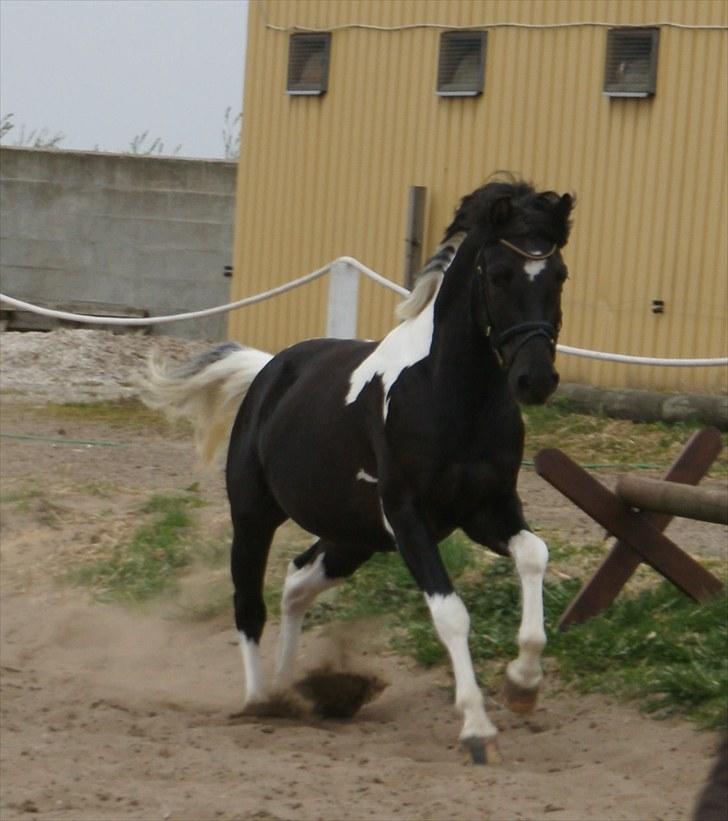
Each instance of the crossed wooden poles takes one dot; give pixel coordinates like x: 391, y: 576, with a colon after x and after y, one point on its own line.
x: 639, y: 533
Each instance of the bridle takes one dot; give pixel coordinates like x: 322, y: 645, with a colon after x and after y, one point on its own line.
x: 528, y: 254
x: 527, y: 330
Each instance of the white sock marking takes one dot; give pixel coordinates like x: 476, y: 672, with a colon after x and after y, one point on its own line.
x: 531, y: 556
x: 452, y: 623
x: 301, y: 587
x: 254, y: 689
x: 366, y: 477
x: 403, y: 346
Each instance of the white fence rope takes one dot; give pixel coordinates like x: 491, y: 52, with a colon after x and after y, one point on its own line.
x: 642, y: 360
x: 161, y: 320
x: 297, y: 283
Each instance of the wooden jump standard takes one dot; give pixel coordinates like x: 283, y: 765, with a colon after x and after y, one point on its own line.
x: 675, y: 498
x: 639, y: 533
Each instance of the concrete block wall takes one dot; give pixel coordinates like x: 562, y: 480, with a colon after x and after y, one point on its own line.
x: 149, y: 232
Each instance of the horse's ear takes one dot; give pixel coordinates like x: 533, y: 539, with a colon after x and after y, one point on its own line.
x: 501, y: 211
x: 563, y: 211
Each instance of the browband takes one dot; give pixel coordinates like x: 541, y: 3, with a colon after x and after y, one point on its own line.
x: 528, y: 254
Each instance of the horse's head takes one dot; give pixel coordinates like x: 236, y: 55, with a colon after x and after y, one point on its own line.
x: 519, y: 274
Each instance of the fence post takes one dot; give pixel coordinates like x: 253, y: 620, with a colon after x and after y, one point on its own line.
x: 415, y: 230
x: 343, y: 301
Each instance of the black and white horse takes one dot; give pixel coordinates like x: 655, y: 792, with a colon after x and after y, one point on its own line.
x: 391, y: 445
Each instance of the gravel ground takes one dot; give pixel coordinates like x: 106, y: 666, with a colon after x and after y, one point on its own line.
x: 81, y: 365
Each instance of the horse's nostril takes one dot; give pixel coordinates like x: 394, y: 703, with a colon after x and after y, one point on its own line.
x: 524, y: 383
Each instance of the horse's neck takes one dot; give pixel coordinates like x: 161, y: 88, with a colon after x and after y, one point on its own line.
x: 462, y: 358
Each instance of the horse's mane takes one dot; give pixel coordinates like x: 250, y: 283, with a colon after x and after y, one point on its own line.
x: 531, y: 212
x: 422, y: 294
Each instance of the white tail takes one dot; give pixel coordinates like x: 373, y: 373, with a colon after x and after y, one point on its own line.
x: 207, y: 391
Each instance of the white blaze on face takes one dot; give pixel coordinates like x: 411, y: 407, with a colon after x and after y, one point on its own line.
x: 534, y: 267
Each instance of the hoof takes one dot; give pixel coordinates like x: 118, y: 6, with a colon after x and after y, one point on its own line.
x: 519, y: 699
x: 482, y: 750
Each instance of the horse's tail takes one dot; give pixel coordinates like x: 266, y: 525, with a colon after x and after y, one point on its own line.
x: 207, y: 391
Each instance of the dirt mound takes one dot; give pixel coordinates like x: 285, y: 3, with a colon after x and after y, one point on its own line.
x: 339, y: 693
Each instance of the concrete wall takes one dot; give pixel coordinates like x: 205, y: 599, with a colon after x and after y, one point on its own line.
x: 148, y: 232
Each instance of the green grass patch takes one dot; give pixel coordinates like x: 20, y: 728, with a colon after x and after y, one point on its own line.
x: 120, y: 413
x: 22, y: 496
x: 654, y: 645
x: 600, y: 440
x: 102, y: 489
x: 658, y: 646
x: 149, y: 562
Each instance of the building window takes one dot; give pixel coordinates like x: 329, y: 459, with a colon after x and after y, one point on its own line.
x: 461, y: 66
x: 631, y: 65
x: 308, y: 63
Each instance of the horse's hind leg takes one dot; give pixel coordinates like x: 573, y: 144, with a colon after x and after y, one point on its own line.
x: 305, y: 579
x: 255, y: 519
x: 322, y: 566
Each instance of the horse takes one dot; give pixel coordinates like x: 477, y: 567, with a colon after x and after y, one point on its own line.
x: 392, y: 445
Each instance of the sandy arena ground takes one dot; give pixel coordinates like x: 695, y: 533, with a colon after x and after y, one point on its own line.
x: 114, y: 714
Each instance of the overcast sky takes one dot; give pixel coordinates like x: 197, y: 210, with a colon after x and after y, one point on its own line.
x: 103, y: 71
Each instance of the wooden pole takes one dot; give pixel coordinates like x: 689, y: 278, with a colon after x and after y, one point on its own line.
x: 700, y: 503
x: 415, y: 230
x: 628, y: 525
x: 693, y: 462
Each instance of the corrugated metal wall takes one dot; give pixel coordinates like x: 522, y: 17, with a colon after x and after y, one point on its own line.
x: 323, y: 177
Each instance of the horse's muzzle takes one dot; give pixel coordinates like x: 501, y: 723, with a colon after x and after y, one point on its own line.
x: 532, y: 375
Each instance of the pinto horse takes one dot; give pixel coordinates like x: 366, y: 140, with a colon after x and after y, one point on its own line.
x: 391, y: 445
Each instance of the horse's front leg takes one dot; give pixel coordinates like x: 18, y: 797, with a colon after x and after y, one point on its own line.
x: 524, y: 674
x: 503, y: 529
x: 452, y: 623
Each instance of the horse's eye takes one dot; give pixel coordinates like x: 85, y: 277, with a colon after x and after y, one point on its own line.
x: 502, y: 278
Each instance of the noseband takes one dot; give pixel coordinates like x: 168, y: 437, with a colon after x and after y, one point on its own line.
x: 526, y: 330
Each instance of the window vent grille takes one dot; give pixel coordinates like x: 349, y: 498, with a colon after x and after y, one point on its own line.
x: 461, y: 66
x: 631, y: 66
x: 308, y: 63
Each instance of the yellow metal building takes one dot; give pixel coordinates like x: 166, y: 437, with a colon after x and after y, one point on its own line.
x: 325, y: 175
